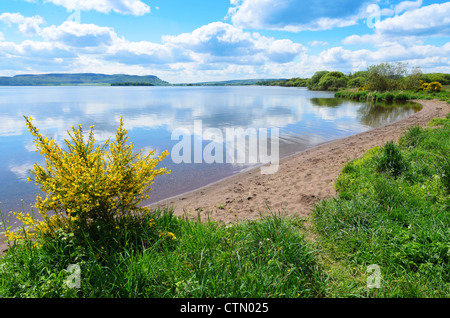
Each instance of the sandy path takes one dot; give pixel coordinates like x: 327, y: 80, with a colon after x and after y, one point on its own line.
x: 301, y: 181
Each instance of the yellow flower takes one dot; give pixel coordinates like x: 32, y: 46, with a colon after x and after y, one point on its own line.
x: 168, y: 234
x: 95, y: 181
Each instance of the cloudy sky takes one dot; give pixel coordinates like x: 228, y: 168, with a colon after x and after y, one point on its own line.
x: 201, y: 40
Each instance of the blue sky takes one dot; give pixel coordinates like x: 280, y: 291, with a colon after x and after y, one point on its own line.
x: 203, y: 40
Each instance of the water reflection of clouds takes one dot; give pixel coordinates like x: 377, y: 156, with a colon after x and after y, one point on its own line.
x: 10, y: 126
x: 151, y: 114
x: 242, y: 111
x: 21, y: 171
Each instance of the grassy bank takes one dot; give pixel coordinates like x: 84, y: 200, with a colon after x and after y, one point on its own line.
x: 392, y: 211
x: 392, y: 96
x: 266, y: 258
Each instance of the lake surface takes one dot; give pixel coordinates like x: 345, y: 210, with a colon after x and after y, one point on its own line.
x: 304, y: 119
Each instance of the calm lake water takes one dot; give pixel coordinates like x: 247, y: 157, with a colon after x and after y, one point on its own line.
x: 151, y: 114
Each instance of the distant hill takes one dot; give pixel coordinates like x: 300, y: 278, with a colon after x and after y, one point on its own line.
x: 78, y: 79
x: 229, y: 83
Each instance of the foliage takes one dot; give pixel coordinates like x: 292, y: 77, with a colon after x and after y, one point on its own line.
x: 89, y: 187
x: 412, y: 137
x: 362, y: 74
x: 442, y: 78
x: 412, y: 81
x: 333, y: 81
x: 357, y: 82
x: 391, y: 161
x: 313, y: 82
x: 164, y: 256
x: 364, y: 94
x: 385, y: 76
x: 293, y: 82
x: 132, y: 84
x: 401, y: 223
x: 433, y: 87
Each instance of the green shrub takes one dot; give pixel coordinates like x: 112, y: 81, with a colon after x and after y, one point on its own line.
x: 391, y: 161
x: 401, y: 97
x: 389, y: 97
x: 433, y: 87
x: 385, y: 76
x: 333, y: 81
x: 357, y: 82
x: 412, y: 137
x: 313, y: 82
x: 443, y: 167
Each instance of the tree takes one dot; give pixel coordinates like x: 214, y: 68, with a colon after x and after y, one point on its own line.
x: 385, y: 76
x: 357, y: 82
x: 313, y: 82
x: 360, y: 74
x: 412, y: 81
x: 333, y: 80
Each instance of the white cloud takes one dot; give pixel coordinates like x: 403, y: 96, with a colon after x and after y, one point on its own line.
x: 318, y: 43
x: 220, y: 42
x: 296, y: 15
x: 29, y: 26
x: 133, y: 7
x: 222, y: 51
x: 432, y: 20
x: 145, y: 53
x: 407, y: 5
x: 79, y: 35
x: 425, y: 56
x: 409, y: 29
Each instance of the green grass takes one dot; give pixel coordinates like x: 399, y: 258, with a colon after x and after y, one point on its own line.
x: 399, y: 221
x: 394, y: 96
x: 268, y: 258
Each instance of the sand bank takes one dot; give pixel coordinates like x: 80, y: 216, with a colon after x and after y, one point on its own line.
x: 302, y: 179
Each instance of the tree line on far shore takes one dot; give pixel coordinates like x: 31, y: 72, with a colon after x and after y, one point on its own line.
x: 380, y: 77
x: 132, y: 84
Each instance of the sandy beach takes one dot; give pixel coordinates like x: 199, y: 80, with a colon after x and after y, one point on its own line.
x: 301, y: 181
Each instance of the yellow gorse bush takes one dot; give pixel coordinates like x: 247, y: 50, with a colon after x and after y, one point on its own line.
x: 433, y: 87
x: 89, y: 184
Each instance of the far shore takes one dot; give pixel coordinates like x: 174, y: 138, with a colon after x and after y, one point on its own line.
x: 301, y: 181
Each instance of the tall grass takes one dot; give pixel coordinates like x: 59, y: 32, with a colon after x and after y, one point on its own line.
x: 399, y: 221
x: 392, y: 96
x: 268, y: 258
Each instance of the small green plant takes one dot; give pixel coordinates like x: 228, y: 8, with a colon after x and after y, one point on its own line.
x: 412, y: 137
x: 443, y: 167
x: 391, y: 161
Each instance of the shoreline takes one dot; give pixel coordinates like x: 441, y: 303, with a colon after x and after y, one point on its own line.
x: 303, y: 179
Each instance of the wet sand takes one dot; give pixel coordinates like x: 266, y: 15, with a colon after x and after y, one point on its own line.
x: 301, y: 181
